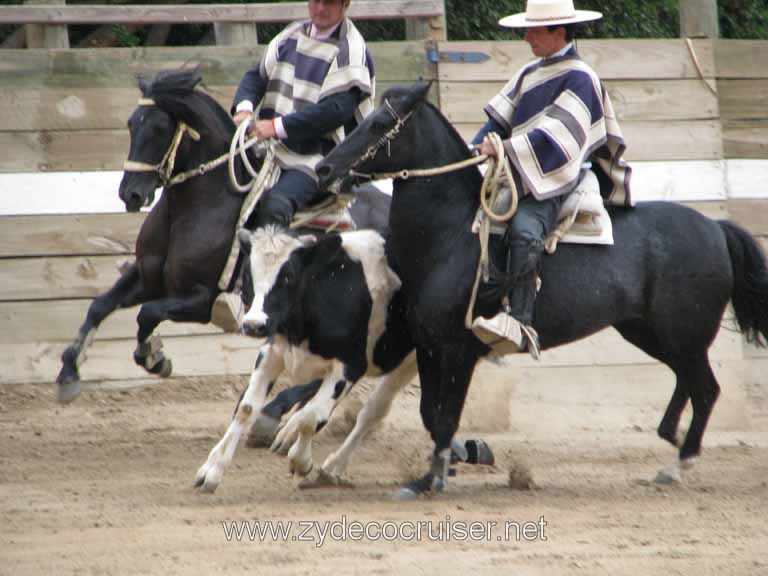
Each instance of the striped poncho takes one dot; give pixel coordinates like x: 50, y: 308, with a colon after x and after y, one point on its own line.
x: 302, y: 71
x: 558, y: 115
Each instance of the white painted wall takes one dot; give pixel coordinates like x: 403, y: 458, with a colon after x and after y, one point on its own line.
x: 684, y: 181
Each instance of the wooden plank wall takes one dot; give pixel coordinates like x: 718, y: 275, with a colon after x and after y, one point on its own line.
x: 65, y: 111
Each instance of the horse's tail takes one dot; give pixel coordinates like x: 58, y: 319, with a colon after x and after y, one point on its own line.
x: 750, y: 289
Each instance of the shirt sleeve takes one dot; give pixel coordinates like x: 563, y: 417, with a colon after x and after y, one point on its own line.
x: 492, y: 125
x: 251, y: 90
x: 318, y: 119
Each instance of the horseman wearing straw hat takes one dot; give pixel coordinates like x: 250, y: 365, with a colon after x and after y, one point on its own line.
x: 559, y: 131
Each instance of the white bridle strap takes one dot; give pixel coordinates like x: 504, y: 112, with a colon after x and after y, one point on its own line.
x: 165, y: 167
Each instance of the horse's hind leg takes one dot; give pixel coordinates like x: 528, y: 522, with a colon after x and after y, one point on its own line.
x: 696, y: 374
x: 194, y: 308
x: 641, y: 335
x: 704, y: 391
x: 126, y: 292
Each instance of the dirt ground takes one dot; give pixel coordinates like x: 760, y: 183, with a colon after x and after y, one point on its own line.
x: 104, y: 486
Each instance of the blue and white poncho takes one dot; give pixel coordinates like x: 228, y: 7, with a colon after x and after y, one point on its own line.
x: 302, y: 71
x: 557, y: 115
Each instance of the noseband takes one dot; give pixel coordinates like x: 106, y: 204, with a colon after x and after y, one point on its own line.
x: 165, y: 168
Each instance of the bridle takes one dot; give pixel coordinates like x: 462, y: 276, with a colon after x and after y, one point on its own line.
x: 387, y: 139
x: 164, y: 168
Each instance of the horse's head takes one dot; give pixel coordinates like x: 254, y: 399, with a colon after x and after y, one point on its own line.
x: 384, y: 141
x: 170, y: 118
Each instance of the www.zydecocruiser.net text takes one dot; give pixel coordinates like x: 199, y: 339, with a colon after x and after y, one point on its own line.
x: 345, y: 530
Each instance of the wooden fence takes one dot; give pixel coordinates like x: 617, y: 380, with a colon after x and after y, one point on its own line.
x: 696, y: 135
x: 234, y: 24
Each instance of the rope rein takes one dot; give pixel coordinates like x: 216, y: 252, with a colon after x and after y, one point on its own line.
x: 499, y: 173
x: 260, y: 180
x: 165, y: 167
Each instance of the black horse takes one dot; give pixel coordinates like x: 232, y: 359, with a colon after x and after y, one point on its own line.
x: 664, y: 285
x: 185, y: 241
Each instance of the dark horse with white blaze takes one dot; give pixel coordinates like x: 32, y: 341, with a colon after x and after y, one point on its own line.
x: 185, y: 240
x: 664, y: 284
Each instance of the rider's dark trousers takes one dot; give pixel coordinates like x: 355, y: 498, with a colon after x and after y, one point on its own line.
x: 525, y: 235
x: 293, y: 191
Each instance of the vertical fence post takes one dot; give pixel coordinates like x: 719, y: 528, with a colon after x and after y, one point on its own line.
x: 46, y: 35
x: 434, y: 28
x: 238, y: 34
x: 698, y: 19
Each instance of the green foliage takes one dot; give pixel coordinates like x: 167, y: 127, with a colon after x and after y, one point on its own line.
x: 478, y: 20
x: 126, y: 38
x: 743, y: 19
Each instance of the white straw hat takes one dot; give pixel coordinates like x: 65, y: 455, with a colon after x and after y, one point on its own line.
x: 548, y: 13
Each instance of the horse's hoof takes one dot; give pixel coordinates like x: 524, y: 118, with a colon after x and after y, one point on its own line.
x: 263, y: 432
x: 406, y: 493
x: 670, y: 475
x: 166, y: 368
x: 67, y: 391
x: 416, y: 488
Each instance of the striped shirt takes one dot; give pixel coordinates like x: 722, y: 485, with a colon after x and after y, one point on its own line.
x: 303, y: 70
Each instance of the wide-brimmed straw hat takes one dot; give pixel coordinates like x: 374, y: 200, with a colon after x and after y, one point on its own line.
x: 548, y: 13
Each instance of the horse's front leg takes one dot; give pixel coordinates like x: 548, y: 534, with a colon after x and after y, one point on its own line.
x: 304, y: 424
x: 447, y: 375
x: 269, y: 365
x: 196, y: 307
x: 126, y: 292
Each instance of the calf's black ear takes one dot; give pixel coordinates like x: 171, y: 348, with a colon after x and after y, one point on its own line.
x: 244, y: 237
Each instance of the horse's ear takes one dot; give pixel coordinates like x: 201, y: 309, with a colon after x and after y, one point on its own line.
x: 144, y: 84
x: 418, y: 92
x: 244, y: 237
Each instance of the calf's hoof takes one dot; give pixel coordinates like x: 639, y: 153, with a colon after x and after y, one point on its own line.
x: 263, y: 432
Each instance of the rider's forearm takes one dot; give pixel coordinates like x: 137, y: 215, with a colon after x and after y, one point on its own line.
x: 250, y: 91
x: 316, y: 120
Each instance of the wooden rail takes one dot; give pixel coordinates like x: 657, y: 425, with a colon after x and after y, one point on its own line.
x: 208, y: 13
x: 235, y: 24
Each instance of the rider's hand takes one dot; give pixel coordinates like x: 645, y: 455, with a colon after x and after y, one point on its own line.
x: 241, y: 117
x: 487, y: 148
x: 263, y: 129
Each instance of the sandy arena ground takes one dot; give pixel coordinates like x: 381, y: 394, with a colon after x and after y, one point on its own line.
x: 104, y: 486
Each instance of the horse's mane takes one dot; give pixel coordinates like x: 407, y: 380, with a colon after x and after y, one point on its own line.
x: 176, y: 92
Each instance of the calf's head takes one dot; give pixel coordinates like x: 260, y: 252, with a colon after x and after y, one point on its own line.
x: 266, y: 249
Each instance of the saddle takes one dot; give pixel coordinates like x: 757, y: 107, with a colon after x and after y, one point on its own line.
x: 583, y: 218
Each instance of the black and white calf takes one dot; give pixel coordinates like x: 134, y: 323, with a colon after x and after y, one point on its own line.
x: 330, y: 310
